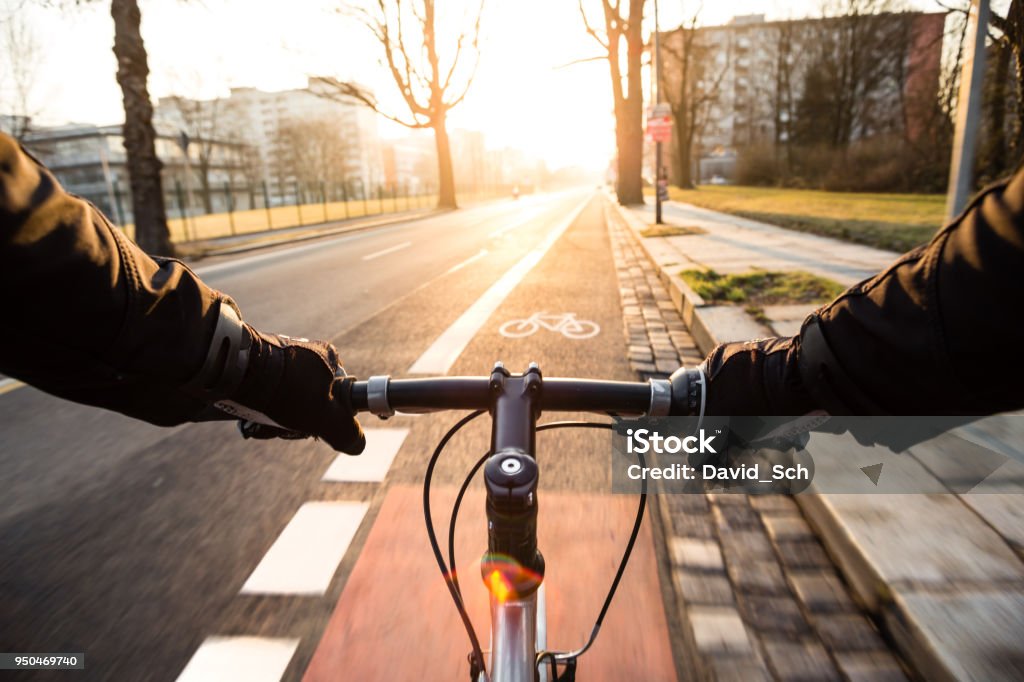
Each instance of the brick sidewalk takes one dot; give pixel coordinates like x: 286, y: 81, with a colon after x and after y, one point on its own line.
x: 760, y: 597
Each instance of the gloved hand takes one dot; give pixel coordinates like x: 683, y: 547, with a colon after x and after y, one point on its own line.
x: 299, y: 385
x: 756, y: 378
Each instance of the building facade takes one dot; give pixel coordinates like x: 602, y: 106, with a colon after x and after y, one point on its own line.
x: 90, y: 161
x: 758, y: 82
x: 300, y: 137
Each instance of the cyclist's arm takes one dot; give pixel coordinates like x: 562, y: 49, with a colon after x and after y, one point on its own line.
x: 939, y: 332
x: 89, y: 317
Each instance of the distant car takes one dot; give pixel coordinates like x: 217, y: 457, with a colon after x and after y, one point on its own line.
x: 717, y: 180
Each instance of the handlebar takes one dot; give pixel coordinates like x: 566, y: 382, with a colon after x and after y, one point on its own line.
x: 680, y: 395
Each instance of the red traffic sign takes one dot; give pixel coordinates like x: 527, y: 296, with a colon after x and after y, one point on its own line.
x: 659, y: 129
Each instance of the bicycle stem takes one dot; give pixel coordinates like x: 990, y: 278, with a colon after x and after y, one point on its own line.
x: 513, y: 566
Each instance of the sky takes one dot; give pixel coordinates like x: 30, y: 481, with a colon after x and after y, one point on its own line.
x: 524, y: 95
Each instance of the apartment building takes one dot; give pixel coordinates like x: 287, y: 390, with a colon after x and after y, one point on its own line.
x: 340, y: 132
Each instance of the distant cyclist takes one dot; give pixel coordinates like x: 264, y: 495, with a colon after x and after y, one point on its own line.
x: 93, y: 319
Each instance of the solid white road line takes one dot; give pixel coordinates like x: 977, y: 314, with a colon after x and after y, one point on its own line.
x: 304, y: 557
x: 443, y: 353
x: 253, y: 659
x: 381, y: 447
x: 472, y: 259
x: 384, y: 252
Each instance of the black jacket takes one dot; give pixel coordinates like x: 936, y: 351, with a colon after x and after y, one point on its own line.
x: 89, y: 317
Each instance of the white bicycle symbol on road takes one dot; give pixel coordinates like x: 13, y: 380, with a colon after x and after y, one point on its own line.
x: 566, y: 323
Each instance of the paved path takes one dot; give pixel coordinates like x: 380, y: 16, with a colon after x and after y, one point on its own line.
x: 733, y: 244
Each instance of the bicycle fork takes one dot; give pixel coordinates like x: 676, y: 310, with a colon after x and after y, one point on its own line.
x: 513, y: 567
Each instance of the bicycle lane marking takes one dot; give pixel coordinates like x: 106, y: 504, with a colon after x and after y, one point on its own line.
x: 445, y: 350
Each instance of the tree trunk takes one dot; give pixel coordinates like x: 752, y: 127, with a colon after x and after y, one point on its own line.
x: 684, y: 148
x: 631, y: 138
x: 445, y: 174
x: 205, y: 191
x: 151, y: 231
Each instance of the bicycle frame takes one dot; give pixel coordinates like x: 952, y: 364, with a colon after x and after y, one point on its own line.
x: 513, y: 567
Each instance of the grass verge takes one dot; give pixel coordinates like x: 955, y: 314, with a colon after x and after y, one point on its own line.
x: 759, y: 288
x: 897, y: 222
x: 671, y: 231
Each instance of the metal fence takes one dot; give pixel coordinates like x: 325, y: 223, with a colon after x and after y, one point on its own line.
x: 233, y: 209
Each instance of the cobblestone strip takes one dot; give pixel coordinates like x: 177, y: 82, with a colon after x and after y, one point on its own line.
x: 755, y: 586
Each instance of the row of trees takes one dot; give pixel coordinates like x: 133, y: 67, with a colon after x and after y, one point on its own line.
x: 853, y: 100
x: 430, y: 86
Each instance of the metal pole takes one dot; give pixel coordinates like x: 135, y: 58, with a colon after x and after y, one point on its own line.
x: 380, y: 198
x: 117, y: 204
x: 656, y: 76
x: 298, y: 202
x: 231, y: 215
x: 323, y: 199
x: 344, y: 197
x: 181, y: 209
x: 968, y: 111
x: 266, y: 205
x: 188, y: 184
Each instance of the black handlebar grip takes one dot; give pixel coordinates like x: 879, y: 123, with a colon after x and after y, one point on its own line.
x: 687, y: 391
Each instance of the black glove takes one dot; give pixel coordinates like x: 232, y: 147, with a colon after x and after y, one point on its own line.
x: 298, y: 385
x: 756, y: 378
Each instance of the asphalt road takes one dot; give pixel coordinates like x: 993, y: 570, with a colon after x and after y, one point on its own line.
x: 130, y: 543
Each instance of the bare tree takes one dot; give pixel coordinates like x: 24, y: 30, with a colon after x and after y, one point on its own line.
x: 1010, y: 41
x: 148, y: 208
x: 860, y: 45
x: 407, y: 32
x: 201, y: 121
x: 22, y: 55
x: 316, y: 150
x: 691, y: 82
x: 1004, y: 146
x: 144, y: 166
x: 622, y: 40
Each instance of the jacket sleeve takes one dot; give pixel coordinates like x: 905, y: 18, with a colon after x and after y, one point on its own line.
x: 87, y: 315
x: 940, y: 332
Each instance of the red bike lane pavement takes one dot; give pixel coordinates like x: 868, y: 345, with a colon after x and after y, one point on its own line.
x: 395, y: 618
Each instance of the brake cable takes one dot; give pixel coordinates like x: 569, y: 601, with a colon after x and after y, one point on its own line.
x: 477, y: 661
x: 568, y: 659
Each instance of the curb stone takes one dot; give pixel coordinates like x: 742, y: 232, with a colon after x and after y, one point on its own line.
x: 921, y: 613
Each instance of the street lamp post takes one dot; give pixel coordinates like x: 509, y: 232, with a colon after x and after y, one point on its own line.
x: 968, y: 111
x: 656, y: 76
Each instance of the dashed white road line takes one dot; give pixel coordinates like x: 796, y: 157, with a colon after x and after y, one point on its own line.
x: 304, y: 557
x: 381, y: 447
x: 469, y: 261
x: 443, y: 353
x: 384, y: 252
x: 253, y: 659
